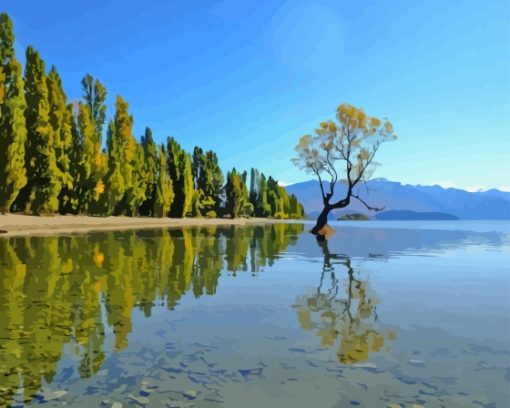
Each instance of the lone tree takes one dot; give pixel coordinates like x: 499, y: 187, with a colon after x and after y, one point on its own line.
x: 342, y: 152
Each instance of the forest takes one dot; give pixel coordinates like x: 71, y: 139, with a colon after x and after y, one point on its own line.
x: 55, y: 158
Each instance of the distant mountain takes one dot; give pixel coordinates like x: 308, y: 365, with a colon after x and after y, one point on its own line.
x: 393, y: 196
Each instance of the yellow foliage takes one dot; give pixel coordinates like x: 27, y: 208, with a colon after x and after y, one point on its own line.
x: 375, y: 123
x: 304, y: 141
x: 98, y: 258
x: 363, y: 154
x: 304, y: 319
x: 99, y: 189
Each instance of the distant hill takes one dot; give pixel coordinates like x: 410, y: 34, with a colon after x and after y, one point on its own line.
x: 394, y: 196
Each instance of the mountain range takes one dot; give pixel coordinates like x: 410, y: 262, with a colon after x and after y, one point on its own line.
x: 405, y: 201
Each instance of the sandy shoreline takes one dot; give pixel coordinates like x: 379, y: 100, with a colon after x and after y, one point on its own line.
x: 16, y: 225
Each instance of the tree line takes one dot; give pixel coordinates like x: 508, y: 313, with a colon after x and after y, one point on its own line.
x: 53, y: 159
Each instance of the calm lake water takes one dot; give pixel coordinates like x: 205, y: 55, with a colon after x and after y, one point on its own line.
x: 385, y: 314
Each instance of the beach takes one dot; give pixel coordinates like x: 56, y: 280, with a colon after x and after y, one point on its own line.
x: 16, y: 225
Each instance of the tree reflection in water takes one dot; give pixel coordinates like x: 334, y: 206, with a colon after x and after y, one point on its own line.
x: 352, y: 319
x: 64, y: 290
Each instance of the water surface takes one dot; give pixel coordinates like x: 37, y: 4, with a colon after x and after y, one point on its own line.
x: 384, y: 313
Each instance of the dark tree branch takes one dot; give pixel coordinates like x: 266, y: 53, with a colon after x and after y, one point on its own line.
x: 376, y: 209
x: 334, y: 176
x: 320, y: 184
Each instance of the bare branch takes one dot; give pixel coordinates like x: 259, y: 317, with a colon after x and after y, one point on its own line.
x: 376, y: 209
x: 333, y: 178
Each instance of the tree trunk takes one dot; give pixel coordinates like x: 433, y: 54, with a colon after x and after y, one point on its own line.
x: 322, y: 220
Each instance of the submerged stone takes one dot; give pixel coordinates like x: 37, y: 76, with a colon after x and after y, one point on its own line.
x: 139, y: 400
x: 417, y: 363
x: 191, y: 394
x: 48, y: 395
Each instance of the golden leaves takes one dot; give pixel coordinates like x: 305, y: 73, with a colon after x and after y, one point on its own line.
x: 98, y: 258
x: 99, y: 189
x: 304, y: 142
x: 364, y: 155
x: 356, y: 137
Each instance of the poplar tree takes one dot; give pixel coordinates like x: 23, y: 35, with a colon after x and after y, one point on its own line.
x: 151, y: 171
x: 236, y: 193
x: 93, y: 162
x: 40, y: 195
x: 232, y: 194
x: 273, y: 196
x: 164, y: 188
x: 296, y: 210
x: 179, y: 169
x: 70, y: 199
x: 263, y: 207
x: 94, y: 93
x: 90, y: 162
x: 215, y: 183
x: 135, y: 194
x: 200, y: 181
x: 61, y: 137
x: 114, y: 185
x: 125, y: 161
x: 208, y: 181
x: 12, y: 122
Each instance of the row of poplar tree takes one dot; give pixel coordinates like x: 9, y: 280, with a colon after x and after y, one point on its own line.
x: 52, y: 158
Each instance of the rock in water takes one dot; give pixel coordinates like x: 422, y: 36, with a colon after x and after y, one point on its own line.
x: 139, y: 400
x: 191, y: 394
x: 48, y: 395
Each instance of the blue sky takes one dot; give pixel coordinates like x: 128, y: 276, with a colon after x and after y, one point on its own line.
x: 248, y: 78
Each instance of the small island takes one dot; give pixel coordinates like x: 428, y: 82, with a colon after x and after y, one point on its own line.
x: 354, y: 217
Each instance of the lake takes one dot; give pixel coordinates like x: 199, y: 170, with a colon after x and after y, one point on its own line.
x: 385, y: 314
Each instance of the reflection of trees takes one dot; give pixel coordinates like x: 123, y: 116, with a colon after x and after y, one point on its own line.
x: 51, y: 289
x: 352, y: 319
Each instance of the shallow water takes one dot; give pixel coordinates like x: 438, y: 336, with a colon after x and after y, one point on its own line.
x: 384, y: 314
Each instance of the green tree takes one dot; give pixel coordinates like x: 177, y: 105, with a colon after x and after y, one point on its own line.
x: 233, y: 194
x: 90, y: 163
x: 263, y: 208
x: 208, y: 181
x: 179, y: 169
x: 296, y: 210
x: 151, y: 170
x: 125, y: 179
x: 94, y: 93
x: 114, y: 180
x: 12, y: 121
x: 62, y: 136
x: 40, y: 195
x: 215, y: 181
x: 273, y: 197
x: 164, y: 188
x: 93, y: 163
x: 236, y: 195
